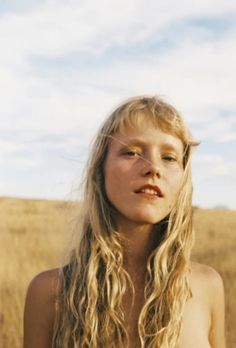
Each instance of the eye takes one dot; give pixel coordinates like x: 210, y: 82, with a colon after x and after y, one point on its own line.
x: 132, y: 153
x: 169, y: 158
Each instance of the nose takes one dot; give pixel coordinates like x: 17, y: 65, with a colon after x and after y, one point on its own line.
x: 152, y: 168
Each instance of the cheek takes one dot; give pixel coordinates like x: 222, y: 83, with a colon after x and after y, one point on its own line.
x: 114, y: 182
x: 118, y: 179
x: 175, y: 181
x: 112, y: 179
x: 115, y: 172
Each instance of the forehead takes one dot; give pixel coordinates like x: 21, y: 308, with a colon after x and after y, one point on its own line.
x: 164, y: 118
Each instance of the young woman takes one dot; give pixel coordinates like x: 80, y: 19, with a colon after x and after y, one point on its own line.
x: 129, y: 281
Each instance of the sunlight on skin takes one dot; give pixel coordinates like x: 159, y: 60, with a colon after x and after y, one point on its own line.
x: 140, y: 156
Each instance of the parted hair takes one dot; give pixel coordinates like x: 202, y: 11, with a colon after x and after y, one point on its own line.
x: 92, y: 283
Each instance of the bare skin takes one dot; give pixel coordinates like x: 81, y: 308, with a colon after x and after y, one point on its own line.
x: 203, y: 320
x: 203, y: 317
x: 137, y: 159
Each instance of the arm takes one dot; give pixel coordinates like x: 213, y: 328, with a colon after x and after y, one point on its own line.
x: 217, y: 332
x: 39, y: 313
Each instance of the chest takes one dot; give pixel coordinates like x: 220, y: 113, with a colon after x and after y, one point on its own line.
x: 196, y: 321
x: 132, y: 313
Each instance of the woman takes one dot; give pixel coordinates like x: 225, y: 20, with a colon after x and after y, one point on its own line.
x: 129, y: 281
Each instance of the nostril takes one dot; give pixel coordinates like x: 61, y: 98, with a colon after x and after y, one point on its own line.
x: 154, y: 173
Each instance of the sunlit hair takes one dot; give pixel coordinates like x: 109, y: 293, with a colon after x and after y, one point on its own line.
x: 89, y: 306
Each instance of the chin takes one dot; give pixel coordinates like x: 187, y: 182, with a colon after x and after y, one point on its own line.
x: 152, y: 217
x: 149, y: 220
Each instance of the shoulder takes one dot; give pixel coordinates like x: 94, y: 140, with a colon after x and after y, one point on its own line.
x: 207, y: 282
x: 45, y: 282
x: 42, y: 290
x: 40, y: 305
x: 207, y: 278
x: 201, y: 269
x: 206, y: 274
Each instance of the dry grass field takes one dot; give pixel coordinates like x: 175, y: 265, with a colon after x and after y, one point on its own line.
x: 32, y: 237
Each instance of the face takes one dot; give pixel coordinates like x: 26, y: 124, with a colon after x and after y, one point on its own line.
x: 143, y: 172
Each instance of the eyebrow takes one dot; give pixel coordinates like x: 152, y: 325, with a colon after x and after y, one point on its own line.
x: 170, y: 146
x: 140, y: 142
x: 136, y: 141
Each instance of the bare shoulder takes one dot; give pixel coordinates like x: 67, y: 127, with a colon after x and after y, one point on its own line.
x: 45, y: 282
x: 206, y: 274
x: 43, y: 288
x: 39, y: 312
x: 207, y: 282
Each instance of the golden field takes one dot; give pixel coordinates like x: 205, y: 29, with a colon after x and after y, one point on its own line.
x: 33, y: 234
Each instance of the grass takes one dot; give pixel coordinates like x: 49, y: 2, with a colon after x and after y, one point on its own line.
x: 33, y: 234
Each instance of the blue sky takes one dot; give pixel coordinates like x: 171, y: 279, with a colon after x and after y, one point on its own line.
x: 65, y: 64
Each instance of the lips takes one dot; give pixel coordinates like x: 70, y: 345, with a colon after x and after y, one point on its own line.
x: 152, y: 190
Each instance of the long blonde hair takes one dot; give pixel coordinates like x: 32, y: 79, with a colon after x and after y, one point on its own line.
x: 93, y: 282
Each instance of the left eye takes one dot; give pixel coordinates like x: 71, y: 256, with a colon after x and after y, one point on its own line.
x: 169, y: 158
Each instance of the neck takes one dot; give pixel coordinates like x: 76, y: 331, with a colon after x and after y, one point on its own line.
x: 140, y: 241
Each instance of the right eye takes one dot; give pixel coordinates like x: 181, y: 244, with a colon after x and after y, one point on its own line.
x: 132, y: 153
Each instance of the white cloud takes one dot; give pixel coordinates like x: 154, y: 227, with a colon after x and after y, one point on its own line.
x: 208, y: 159
x: 21, y: 162
x: 59, y: 28
x: 218, y: 129
x: 193, y: 74
x: 9, y: 147
x: 194, y: 70
x: 211, y: 167
x: 195, y: 87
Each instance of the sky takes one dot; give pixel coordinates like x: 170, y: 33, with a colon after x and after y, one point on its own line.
x: 64, y: 65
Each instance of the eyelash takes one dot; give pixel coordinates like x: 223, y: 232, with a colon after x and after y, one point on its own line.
x: 169, y: 158
x: 133, y: 153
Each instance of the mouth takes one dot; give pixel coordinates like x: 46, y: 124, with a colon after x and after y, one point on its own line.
x: 152, y: 191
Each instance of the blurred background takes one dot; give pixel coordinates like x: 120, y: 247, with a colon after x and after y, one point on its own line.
x: 64, y: 65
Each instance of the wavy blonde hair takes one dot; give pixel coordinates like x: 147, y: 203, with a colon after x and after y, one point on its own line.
x: 93, y: 282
